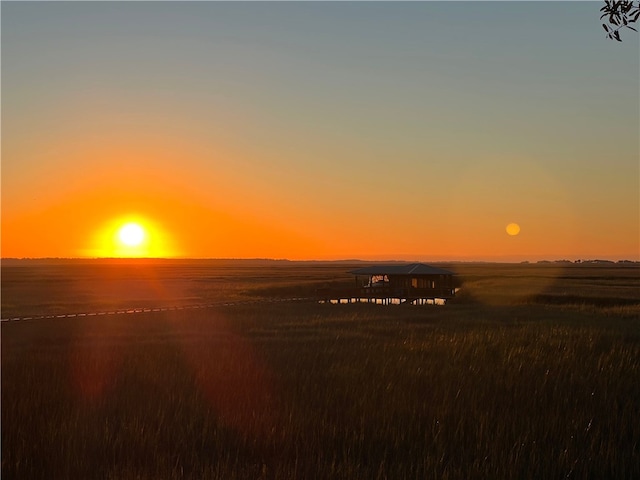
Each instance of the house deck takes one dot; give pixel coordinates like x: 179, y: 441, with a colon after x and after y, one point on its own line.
x: 385, y: 295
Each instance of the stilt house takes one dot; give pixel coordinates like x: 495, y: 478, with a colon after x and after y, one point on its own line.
x: 416, y: 283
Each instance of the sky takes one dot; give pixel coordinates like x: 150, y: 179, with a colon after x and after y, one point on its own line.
x: 325, y: 130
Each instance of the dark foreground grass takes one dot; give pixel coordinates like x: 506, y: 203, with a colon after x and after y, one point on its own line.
x: 302, y: 391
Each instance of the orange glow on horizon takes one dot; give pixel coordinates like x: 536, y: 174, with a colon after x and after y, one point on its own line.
x: 131, y: 237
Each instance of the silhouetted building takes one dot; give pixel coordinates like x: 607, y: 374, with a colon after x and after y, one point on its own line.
x: 409, y: 283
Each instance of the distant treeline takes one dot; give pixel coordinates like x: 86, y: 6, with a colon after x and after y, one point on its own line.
x: 596, y: 261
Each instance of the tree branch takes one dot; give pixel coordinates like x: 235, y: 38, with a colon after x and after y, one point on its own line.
x: 620, y: 14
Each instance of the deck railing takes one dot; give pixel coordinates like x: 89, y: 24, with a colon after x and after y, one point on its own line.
x: 328, y: 294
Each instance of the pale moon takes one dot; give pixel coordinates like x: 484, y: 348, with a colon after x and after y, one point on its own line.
x: 513, y: 229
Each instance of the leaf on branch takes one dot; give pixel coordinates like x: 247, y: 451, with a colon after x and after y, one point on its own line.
x: 619, y: 14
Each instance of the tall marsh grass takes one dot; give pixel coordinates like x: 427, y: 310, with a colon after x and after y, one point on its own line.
x: 305, y: 391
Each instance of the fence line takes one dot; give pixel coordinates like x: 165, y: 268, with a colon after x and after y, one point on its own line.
x: 131, y: 311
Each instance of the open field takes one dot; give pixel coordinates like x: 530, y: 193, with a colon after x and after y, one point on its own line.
x: 74, y: 286
x: 533, y: 371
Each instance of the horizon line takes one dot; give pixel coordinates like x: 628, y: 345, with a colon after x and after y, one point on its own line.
x: 605, y: 259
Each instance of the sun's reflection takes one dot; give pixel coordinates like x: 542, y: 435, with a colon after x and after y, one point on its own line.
x: 94, y: 365
x: 230, y: 374
x: 232, y: 380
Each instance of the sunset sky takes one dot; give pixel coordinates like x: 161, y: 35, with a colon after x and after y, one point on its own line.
x: 322, y: 130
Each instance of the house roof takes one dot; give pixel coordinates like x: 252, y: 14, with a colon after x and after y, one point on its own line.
x: 408, y: 269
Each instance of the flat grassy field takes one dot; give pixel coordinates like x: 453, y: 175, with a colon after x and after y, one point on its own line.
x: 532, y: 371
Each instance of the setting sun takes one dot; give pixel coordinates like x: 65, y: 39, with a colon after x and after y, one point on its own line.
x: 131, y: 234
x: 131, y: 238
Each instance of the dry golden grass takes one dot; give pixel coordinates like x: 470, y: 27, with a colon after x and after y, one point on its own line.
x: 476, y: 389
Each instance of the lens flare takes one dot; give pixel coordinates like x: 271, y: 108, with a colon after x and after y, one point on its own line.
x: 513, y: 229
